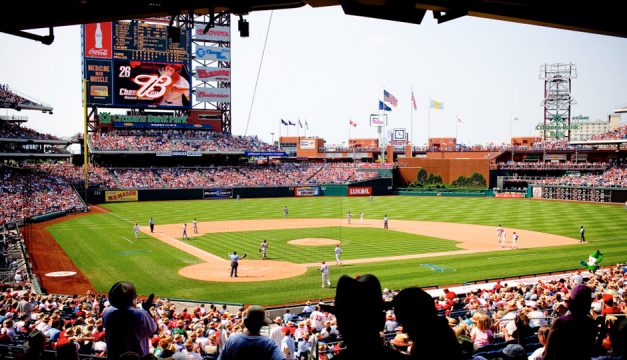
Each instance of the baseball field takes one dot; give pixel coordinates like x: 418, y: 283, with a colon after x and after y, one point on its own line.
x: 430, y: 241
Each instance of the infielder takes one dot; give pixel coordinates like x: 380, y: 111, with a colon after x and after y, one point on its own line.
x: 285, y: 211
x: 499, y: 234
x: 361, y: 216
x: 348, y: 217
x: 195, y: 226
x: 503, y: 238
x: 136, y: 228
x: 385, y: 221
x: 515, y: 240
x: 325, y: 274
x: 184, y: 236
x: 338, y: 255
x: 263, y: 249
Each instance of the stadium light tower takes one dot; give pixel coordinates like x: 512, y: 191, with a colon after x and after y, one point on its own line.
x: 557, y: 100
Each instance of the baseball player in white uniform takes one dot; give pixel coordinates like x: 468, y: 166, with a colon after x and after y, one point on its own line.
x: 338, y: 255
x: 195, y: 226
x: 324, y: 268
x: 263, y: 248
x: 348, y: 217
x: 515, y: 240
x: 503, y: 238
x: 361, y: 216
x: 499, y: 234
x: 136, y: 228
x: 184, y: 235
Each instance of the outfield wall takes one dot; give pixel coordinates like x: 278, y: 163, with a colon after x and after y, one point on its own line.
x: 378, y: 187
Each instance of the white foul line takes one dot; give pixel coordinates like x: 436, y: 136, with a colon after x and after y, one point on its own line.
x: 127, y: 240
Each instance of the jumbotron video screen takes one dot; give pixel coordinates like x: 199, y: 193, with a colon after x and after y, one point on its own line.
x: 134, y: 64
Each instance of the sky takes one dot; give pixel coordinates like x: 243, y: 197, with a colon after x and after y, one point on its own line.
x: 327, y: 68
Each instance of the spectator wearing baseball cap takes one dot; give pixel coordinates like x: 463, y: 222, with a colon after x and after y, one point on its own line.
x: 251, y: 344
x: 128, y: 328
x: 430, y: 333
x: 572, y: 336
x: 360, y: 318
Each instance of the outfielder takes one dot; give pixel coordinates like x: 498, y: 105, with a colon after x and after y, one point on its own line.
x: 136, y: 228
x: 361, y: 216
x: 348, y: 217
x: 285, y: 211
x: 338, y: 255
x: 325, y: 274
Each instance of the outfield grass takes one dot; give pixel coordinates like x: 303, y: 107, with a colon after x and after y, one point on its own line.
x: 104, y: 248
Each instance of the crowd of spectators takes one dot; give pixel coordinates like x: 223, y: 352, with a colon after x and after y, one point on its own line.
x: 24, y: 194
x: 175, y: 140
x: 13, y: 131
x: 518, y: 321
x: 614, y: 177
x: 617, y: 134
x: 8, y: 96
x: 552, y: 166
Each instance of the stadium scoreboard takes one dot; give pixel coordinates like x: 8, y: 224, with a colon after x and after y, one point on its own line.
x: 148, y: 42
x: 135, y: 64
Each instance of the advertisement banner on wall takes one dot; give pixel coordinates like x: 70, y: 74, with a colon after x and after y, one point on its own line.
x: 209, y: 53
x: 121, y: 195
x: 217, y: 193
x: 308, y: 144
x: 213, y: 94
x: 215, y: 33
x: 99, y: 82
x: 378, y: 120
x: 359, y: 190
x: 98, y: 40
x: 509, y: 195
x: 307, y: 191
x: 205, y: 73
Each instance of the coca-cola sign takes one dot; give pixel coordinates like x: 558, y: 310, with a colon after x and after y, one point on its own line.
x: 98, y: 40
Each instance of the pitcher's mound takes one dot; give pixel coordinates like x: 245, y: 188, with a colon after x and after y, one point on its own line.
x: 313, y: 242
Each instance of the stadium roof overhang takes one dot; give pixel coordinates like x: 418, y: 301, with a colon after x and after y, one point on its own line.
x: 600, y: 17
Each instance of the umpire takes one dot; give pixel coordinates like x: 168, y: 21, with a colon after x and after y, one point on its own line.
x: 234, y: 262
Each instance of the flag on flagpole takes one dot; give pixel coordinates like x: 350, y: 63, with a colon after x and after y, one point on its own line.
x: 351, y: 122
x: 437, y: 105
x: 413, y: 101
x: 306, y: 125
x: 389, y: 98
x: 290, y: 123
x: 384, y: 107
x: 459, y: 120
x: 300, y: 124
x: 283, y: 122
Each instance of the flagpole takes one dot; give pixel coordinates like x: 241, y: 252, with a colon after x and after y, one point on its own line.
x: 429, y: 123
x: 411, y: 118
x: 280, y: 134
x: 456, y: 127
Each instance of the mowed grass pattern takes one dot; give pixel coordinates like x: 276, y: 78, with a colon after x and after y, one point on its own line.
x: 356, y: 243
x: 98, y: 246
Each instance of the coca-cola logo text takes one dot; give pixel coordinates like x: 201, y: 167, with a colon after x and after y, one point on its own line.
x: 98, y: 52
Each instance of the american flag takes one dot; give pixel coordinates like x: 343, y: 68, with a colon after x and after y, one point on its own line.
x: 389, y: 98
x: 351, y: 122
x: 413, y: 101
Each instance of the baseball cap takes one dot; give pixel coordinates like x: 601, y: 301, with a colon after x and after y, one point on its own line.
x: 514, y: 350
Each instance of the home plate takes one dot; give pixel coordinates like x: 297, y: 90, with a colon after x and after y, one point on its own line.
x: 61, y: 273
